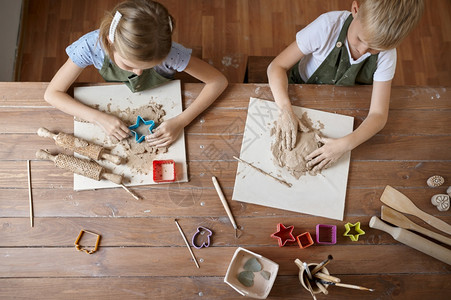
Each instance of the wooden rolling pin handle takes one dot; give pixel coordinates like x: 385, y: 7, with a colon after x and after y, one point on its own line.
x: 45, y: 155
x: 44, y: 132
x: 117, y: 179
x: 117, y: 160
x: 413, y: 240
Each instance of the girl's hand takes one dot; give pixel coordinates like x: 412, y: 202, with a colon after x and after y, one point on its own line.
x: 165, y: 134
x: 113, y: 126
x: 327, y: 155
x: 287, y: 128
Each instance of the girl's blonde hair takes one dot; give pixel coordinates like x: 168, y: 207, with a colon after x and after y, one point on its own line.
x: 386, y: 23
x: 143, y: 33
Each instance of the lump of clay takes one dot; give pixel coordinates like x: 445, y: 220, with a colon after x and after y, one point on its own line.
x: 441, y: 201
x: 294, y: 160
x: 435, y: 181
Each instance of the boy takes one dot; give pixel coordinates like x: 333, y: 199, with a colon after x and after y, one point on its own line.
x: 344, y: 48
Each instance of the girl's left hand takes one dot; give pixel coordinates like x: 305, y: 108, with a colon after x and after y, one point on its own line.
x: 165, y: 134
x: 327, y: 155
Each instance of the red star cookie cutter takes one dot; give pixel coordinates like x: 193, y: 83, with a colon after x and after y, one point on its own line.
x: 284, y: 234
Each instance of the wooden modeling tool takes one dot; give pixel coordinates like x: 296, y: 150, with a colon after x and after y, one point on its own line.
x: 224, y: 203
x: 345, y: 285
x: 263, y: 172
x: 396, y: 218
x: 413, y: 240
x: 30, y: 195
x: 83, y: 147
x: 400, y: 202
x: 324, y: 276
x: 83, y: 167
x: 186, y: 242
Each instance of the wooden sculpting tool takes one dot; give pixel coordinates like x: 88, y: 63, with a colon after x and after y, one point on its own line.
x: 263, y: 172
x: 324, y: 276
x: 30, y: 195
x: 345, y: 285
x: 400, y: 202
x: 224, y: 203
x: 83, y: 147
x: 82, y: 167
x: 186, y: 242
x: 398, y: 219
x: 413, y: 240
x: 322, y: 264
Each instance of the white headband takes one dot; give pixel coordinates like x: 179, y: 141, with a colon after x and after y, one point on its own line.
x: 113, y: 26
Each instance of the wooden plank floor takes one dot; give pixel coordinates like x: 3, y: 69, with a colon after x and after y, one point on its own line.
x: 141, y: 253
x: 225, y: 33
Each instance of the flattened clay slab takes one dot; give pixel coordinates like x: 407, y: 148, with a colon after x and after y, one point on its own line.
x: 315, y: 195
x: 113, y: 98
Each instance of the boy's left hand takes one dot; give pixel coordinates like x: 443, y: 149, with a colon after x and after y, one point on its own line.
x: 165, y: 134
x: 327, y: 155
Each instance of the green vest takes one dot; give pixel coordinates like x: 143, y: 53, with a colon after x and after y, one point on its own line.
x: 148, y: 79
x: 336, y: 68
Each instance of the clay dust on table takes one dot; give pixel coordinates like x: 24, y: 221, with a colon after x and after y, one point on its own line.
x: 306, y: 142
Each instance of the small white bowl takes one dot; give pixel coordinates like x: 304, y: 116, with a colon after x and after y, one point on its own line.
x: 262, y: 286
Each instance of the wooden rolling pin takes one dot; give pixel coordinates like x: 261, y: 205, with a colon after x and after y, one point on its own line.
x: 413, y: 240
x: 83, y: 147
x: 79, y: 166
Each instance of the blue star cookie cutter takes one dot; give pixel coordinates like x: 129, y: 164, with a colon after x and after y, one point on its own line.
x: 141, y: 122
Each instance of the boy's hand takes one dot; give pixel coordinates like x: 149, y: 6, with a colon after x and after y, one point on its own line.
x: 327, y: 155
x: 287, y: 128
x: 165, y: 134
x: 113, y: 126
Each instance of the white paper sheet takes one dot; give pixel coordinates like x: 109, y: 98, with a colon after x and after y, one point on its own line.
x: 119, y: 97
x: 316, y: 195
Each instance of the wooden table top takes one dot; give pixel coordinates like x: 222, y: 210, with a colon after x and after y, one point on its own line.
x: 142, y: 254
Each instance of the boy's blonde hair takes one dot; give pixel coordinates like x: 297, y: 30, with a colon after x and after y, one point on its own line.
x: 386, y: 23
x: 143, y: 33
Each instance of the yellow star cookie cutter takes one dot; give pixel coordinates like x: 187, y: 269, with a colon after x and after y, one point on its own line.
x: 356, y: 226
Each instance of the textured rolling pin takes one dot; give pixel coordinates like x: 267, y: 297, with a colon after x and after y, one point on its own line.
x: 70, y: 142
x: 79, y: 166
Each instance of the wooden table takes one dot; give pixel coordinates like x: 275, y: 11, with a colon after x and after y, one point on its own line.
x: 142, y: 254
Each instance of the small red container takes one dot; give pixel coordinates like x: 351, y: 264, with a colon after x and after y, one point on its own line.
x: 304, y: 240
x: 164, y: 170
x: 283, y: 234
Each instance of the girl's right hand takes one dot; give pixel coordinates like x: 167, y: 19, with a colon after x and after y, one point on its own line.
x: 113, y: 126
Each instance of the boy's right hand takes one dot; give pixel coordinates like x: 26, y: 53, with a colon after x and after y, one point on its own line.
x: 113, y: 126
x: 287, y: 128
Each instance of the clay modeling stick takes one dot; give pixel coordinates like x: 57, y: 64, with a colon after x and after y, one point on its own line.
x: 307, y: 282
x: 263, y: 172
x: 324, y: 276
x: 345, y: 285
x: 30, y: 196
x: 413, y: 240
x: 81, y: 146
x: 307, y: 270
x: 130, y: 192
x: 224, y: 203
x: 322, y: 264
x: 186, y: 242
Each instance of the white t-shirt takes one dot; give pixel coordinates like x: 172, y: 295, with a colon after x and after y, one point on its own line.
x: 318, y: 39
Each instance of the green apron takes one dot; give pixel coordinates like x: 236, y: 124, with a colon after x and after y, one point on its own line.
x: 148, y: 79
x: 336, y: 68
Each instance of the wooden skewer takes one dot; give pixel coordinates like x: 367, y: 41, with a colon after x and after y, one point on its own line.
x: 130, y: 192
x: 263, y: 172
x: 30, y: 195
x: 186, y: 242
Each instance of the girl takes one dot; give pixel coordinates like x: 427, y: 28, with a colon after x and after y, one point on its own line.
x: 135, y: 47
